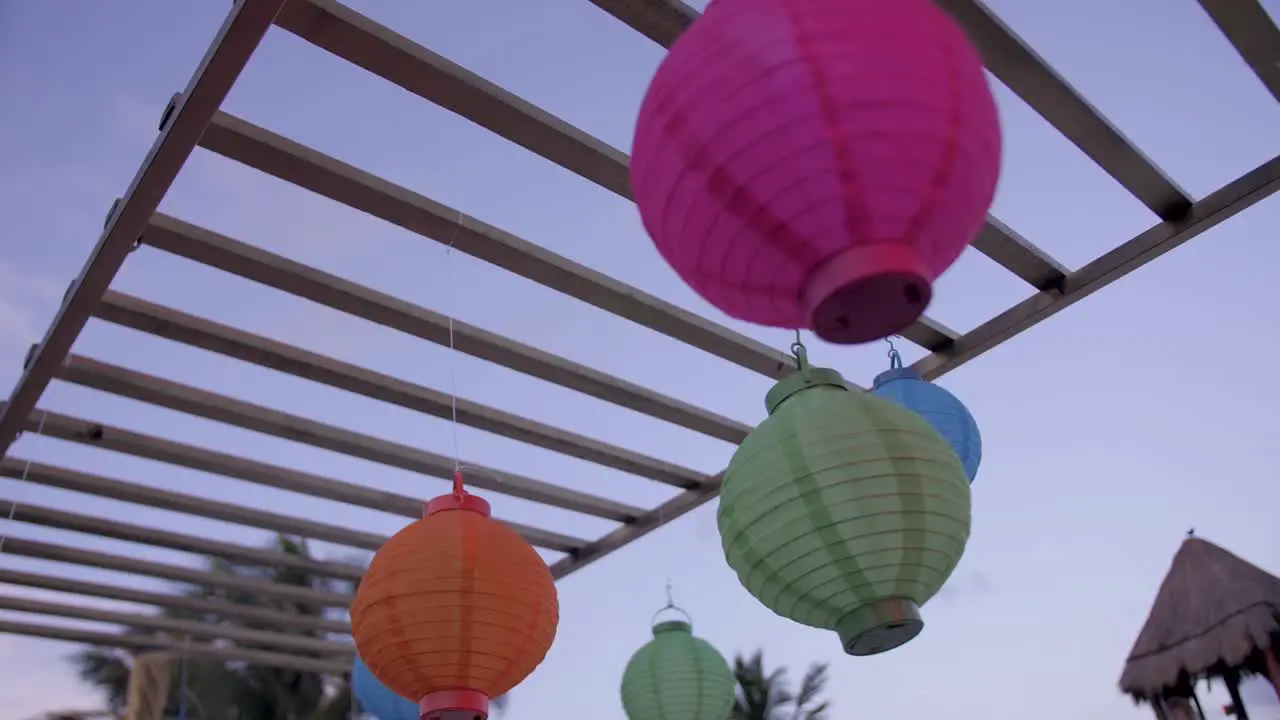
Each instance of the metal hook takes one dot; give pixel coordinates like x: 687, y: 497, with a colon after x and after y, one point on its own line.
x: 798, y: 351
x: 895, y: 359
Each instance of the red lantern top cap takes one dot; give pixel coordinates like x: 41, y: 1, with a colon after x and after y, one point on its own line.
x: 453, y: 501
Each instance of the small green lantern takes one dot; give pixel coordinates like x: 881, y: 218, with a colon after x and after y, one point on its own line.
x: 676, y: 676
x: 844, y: 511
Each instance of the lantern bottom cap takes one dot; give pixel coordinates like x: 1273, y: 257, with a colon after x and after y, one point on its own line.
x: 458, y: 704
x: 867, y: 293
x: 880, y: 626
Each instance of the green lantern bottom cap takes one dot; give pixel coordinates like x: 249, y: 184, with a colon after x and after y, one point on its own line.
x: 879, y: 626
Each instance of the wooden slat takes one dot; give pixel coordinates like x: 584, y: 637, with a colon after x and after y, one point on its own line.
x: 382, y: 51
x: 273, y: 154
x: 1014, y: 64
x: 202, y: 650
x: 207, y: 335
x: 214, y: 608
x: 243, y: 29
x: 53, y: 552
x: 281, y: 273
x: 1236, y: 197
x: 1226, y: 202
x: 183, y: 398
x: 107, y: 437
x: 1253, y: 34
x: 95, y: 525
x: 110, y: 488
x: 188, y: 628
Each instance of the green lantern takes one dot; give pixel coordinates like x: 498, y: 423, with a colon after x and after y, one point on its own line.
x: 844, y: 511
x: 676, y: 676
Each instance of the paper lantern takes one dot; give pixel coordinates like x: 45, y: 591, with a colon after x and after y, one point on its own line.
x: 844, y: 511
x: 455, y: 609
x: 817, y: 163
x: 377, y: 699
x: 944, y: 411
x: 676, y: 676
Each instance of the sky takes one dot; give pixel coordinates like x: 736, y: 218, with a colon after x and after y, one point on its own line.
x: 1109, y: 430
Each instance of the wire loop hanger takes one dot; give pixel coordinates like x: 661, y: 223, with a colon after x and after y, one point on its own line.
x: 671, y: 607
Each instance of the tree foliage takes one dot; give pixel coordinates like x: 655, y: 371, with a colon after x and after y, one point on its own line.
x: 769, y: 695
x: 234, y: 691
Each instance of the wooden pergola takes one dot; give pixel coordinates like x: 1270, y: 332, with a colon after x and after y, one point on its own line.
x: 194, y: 120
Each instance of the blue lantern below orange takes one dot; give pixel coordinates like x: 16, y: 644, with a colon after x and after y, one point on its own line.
x: 377, y: 699
x: 944, y: 411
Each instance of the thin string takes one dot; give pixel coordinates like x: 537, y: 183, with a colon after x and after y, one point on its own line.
x: 26, y: 468
x: 453, y: 350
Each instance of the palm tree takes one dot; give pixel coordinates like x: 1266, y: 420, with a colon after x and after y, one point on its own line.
x: 219, y: 691
x: 768, y: 696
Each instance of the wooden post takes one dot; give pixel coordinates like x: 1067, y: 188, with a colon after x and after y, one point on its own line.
x: 1180, y: 708
x: 149, y: 686
x: 1273, y: 666
x: 1232, y: 679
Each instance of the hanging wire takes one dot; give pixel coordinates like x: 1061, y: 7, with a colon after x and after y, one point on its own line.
x: 26, y: 468
x: 453, y: 350
x: 459, y: 489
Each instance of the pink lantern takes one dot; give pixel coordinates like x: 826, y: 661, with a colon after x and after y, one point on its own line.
x: 817, y: 163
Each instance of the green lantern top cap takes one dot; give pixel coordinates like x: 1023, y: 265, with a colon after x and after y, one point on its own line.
x: 672, y: 626
x: 802, y: 380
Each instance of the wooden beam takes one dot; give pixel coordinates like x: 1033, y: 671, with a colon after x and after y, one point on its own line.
x: 214, y: 337
x: 1237, y: 196
x: 1226, y: 202
x: 110, y: 488
x: 181, y: 628
x: 213, y: 608
x: 33, y: 514
x: 384, y: 52
x: 53, y: 552
x: 244, y: 27
x: 276, y: 271
x: 199, y: 650
x: 1251, y: 31
x: 1014, y: 64
x: 101, y: 435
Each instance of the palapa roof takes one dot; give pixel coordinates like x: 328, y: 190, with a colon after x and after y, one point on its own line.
x: 1214, y: 612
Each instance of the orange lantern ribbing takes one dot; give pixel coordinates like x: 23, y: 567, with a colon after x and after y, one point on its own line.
x: 455, y: 609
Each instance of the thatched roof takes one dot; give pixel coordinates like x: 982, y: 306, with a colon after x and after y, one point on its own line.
x: 1214, y: 612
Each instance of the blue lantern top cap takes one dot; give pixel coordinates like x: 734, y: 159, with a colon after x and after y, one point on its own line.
x: 898, y: 373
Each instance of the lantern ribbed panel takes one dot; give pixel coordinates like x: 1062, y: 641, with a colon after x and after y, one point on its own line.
x: 677, y: 676
x: 455, y: 600
x: 777, y: 134
x: 377, y: 699
x: 944, y: 411
x: 840, y: 499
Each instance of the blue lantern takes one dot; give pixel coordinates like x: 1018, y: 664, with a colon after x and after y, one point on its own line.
x: 943, y: 410
x: 377, y: 699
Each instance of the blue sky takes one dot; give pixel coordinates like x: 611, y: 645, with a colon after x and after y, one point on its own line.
x: 1109, y: 430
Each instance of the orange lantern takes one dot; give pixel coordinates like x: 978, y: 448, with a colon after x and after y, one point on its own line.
x: 455, y: 609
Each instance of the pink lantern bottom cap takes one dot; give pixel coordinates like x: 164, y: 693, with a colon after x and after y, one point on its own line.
x: 454, y: 705
x: 867, y: 293
x: 879, y: 626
